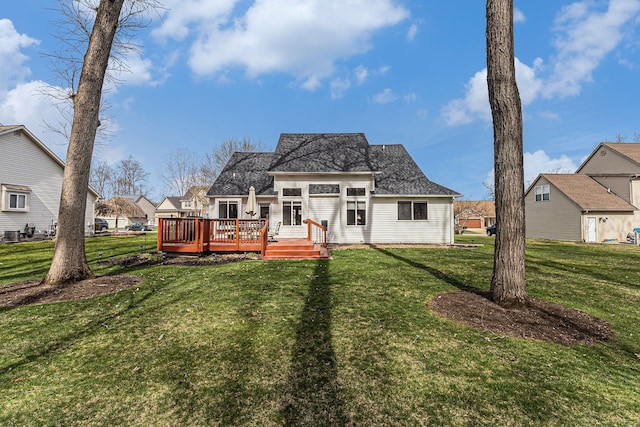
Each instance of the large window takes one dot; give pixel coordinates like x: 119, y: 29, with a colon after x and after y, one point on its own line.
x: 412, y: 211
x: 356, y: 213
x: 291, y: 212
x: 227, y: 209
x: 542, y: 193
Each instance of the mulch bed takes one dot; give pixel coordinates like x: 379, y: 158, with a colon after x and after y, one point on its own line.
x: 542, y: 320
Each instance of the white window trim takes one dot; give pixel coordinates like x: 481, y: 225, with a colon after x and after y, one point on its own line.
x: 9, y: 190
x: 540, y: 191
x: 412, y: 210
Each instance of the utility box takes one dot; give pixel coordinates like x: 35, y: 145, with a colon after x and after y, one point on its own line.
x: 12, y: 236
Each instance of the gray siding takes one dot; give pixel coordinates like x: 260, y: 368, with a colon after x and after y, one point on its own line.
x: 24, y: 163
x: 557, y: 218
x: 609, y: 162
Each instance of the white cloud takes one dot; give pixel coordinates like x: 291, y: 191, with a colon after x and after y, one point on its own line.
x: 12, y: 68
x: 518, y: 16
x: 384, y: 97
x: 584, y: 38
x: 410, y: 97
x: 361, y: 74
x: 301, y: 38
x: 413, y: 32
x: 539, y: 162
x: 339, y: 87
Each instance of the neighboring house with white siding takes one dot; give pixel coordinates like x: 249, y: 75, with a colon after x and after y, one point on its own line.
x: 598, y: 203
x: 31, y: 182
x: 364, y: 193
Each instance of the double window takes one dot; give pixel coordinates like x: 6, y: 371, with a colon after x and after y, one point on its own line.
x: 412, y: 211
x: 542, y: 193
x: 228, y: 210
x: 15, y: 198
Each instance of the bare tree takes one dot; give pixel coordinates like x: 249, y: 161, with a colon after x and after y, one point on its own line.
x: 215, y: 160
x: 69, y: 262
x: 508, y: 281
x: 101, y: 179
x: 181, y: 171
x: 130, y: 178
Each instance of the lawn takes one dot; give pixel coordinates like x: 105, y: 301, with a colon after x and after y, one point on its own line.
x: 347, y: 341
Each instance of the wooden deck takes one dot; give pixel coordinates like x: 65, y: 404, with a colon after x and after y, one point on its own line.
x: 203, y: 235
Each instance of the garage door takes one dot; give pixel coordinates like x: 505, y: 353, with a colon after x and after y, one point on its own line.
x: 473, y: 223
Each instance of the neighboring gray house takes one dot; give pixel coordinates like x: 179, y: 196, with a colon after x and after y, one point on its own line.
x: 597, y: 203
x: 31, y: 182
x: 365, y: 193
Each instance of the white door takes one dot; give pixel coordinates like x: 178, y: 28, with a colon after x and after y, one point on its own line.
x: 592, y: 229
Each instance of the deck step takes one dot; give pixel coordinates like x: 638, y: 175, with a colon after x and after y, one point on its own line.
x: 295, y: 250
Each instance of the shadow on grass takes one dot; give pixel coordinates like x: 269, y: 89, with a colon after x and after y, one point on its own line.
x: 313, y: 396
x: 438, y: 274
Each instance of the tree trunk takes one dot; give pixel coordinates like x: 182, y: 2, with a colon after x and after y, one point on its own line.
x: 508, y: 280
x: 69, y: 262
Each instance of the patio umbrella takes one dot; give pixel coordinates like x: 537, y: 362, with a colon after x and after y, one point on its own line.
x: 252, y: 205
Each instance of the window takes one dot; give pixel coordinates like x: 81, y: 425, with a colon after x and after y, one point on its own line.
x: 356, y: 213
x: 355, y: 192
x: 291, y: 213
x: 542, y: 193
x: 15, y: 198
x: 292, y: 192
x: 228, y: 210
x: 264, y: 211
x: 412, y: 211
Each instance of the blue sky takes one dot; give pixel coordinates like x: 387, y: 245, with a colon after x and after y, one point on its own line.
x: 400, y: 71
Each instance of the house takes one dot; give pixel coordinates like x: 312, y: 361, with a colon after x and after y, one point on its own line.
x: 121, y: 211
x: 474, y: 213
x: 31, y: 182
x: 195, y: 202
x: 363, y: 193
x: 169, y: 207
x: 598, y: 203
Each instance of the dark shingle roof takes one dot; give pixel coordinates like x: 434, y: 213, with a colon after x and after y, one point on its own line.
x: 400, y: 175
x: 241, y: 172
x: 395, y: 171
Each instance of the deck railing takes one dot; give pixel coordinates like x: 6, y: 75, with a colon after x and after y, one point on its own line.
x: 199, y: 235
x: 316, y: 232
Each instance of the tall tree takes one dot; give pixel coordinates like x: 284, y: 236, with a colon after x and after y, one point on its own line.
x: 508, y: 280
x: 101, y: 178
x: 69, y: 262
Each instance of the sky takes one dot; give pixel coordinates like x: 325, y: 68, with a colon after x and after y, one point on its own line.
x: 404, y: 72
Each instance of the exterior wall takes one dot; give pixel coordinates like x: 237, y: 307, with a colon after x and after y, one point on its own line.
x: 149, y: 209
x: 613, y: 226
x: 635, y: 192
x: 606, y: 161
x: 557, y: 218
x: 23, y: 162
x: 382, y: 225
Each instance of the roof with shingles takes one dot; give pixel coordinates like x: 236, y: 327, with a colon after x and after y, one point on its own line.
x: 629, y: 150
x: 328, y: 153
x: 587, y: 193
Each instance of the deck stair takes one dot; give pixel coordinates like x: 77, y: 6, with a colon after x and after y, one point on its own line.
x: 294, y: 249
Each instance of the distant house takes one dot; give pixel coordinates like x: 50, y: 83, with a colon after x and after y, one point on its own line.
x: 31, y: 182
x: 597, y: 203
x: 121, y: 211
x: 364, y: 193
x: 195, y: 202
x: 474, y: 213
x: 169, y: 207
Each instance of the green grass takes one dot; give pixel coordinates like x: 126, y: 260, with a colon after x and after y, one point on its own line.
x: 347, y: 341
